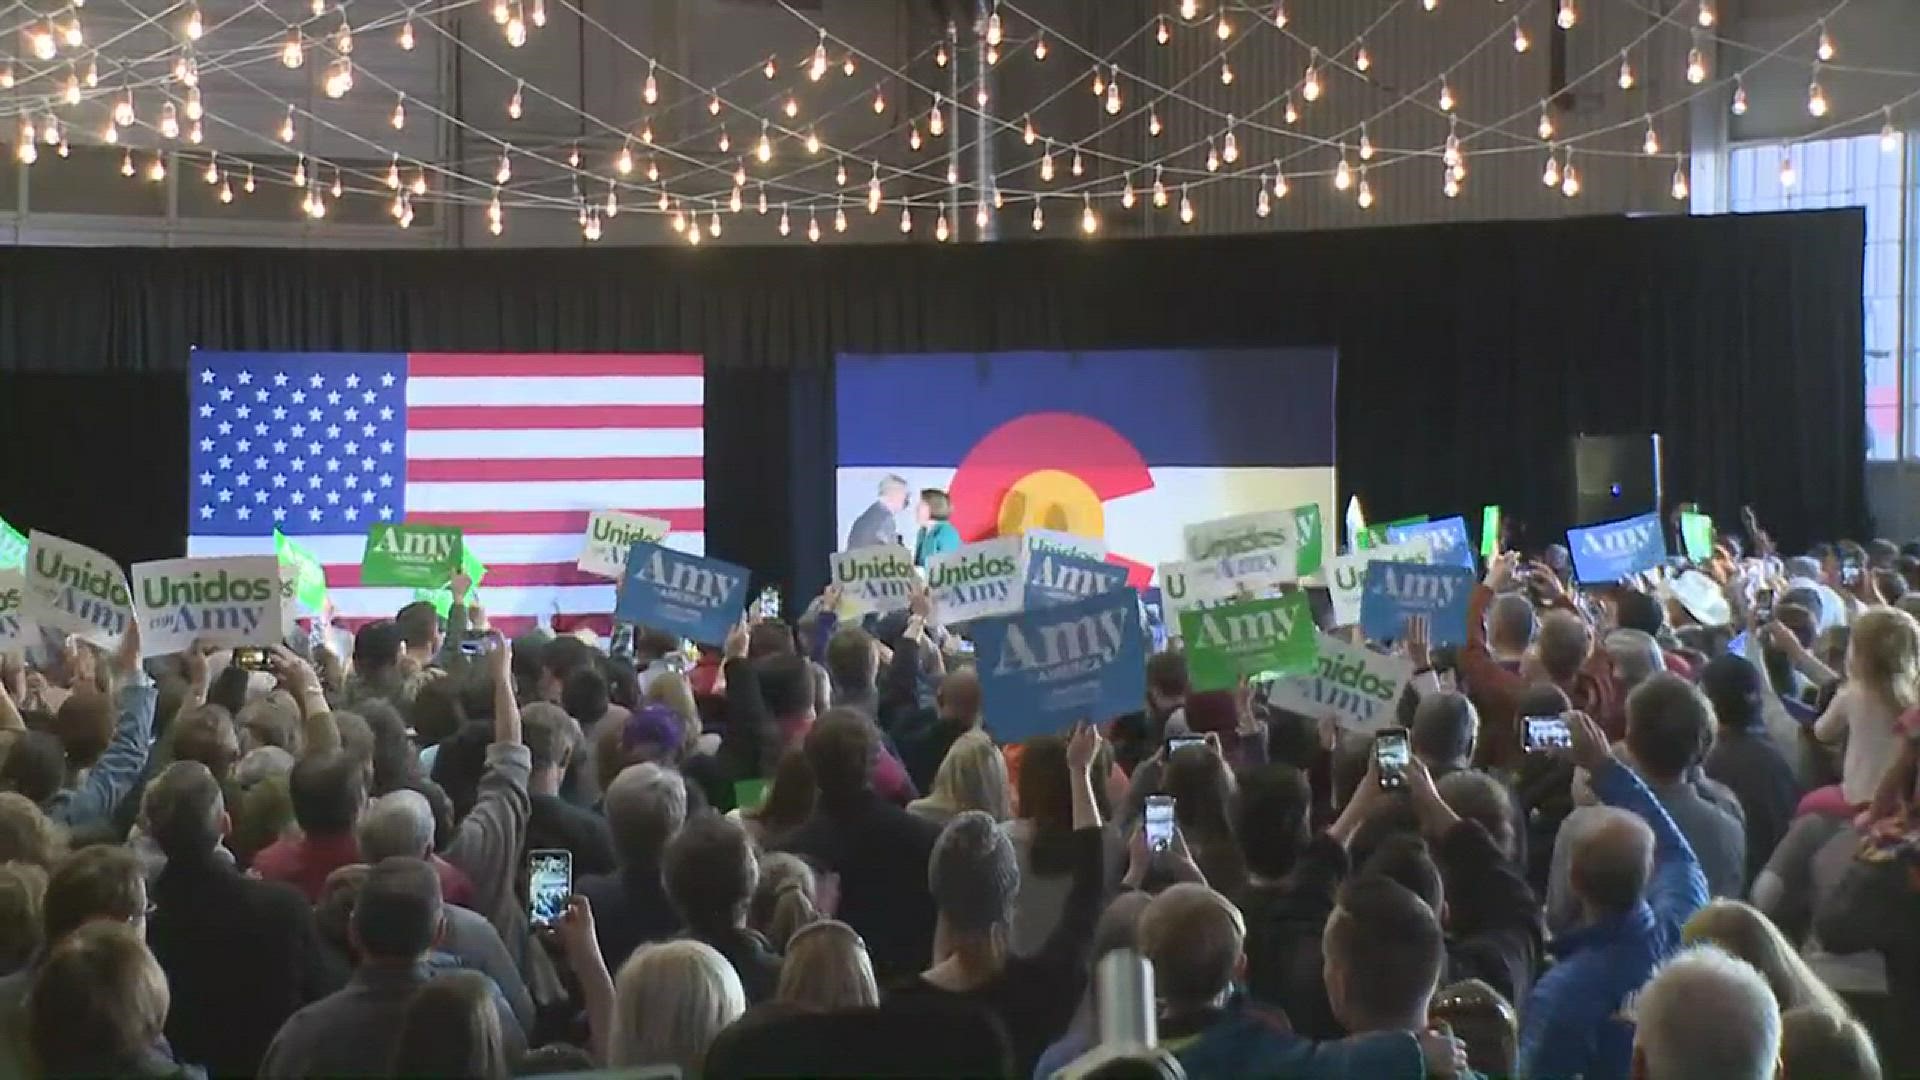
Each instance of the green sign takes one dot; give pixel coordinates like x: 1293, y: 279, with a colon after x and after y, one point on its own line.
x: 309, y: 577
x: 442, y: 598
x: 1696, y: 535
x: 1376, y: 535
x: 1257, y: 637
x: 13, y: 547
x: 1306, y: 538
x: 1489, y: 532
x: 420, y: 556
x: 749, y: 794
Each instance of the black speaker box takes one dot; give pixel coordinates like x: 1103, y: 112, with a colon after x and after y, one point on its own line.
x: 1614, y: 476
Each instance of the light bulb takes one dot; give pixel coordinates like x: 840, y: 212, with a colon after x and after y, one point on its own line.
x: 74, y: 34
x: 735, y: 201
x: 1625, y: 78
x: 679, y: 220
x: 1430, y: 5
x: 399, y: 118
x: 1160, y: 32
x: 538, y: 12
x: 1521, y: 42
x: 713, y: 105
x: 1186, y: 207
x: 906, y: 220
x: 812, y: 142
x: 879, y: 101
x: 1570, y: 180
x: 791, y: 107
x: 516, y: 32
x: 1262, y: 202
x: 505, y: 172
x: 126, y: 163
x: 936, y: 120
x: 846, y: 68
x: 873, y: 193
x: 169, y: 123
x: 624, y: 163
x: 646, y: 132
x: 1126, y: 193
x: 1788, y: 177
x: 1029, y: 134
x: 980, y: 96
x: 1046, y: 164
x: 195, y: 26
x: 1280, y: 15
x: 212, y: 173
x: 51, y: 133
x: 72, y: 93
x: 1366, y: 144
x: 338, y: 188
x: 1280, y: 186
x: 740, y: 174
x: 817, y: 67
x: 940, y: 56
x: 840, y: 174
x: 1364, y: 196
x: 44, y: 46
x: 763, y: 149
x: 1099, y: 83
x: 1159, y: 189
x: 1679, y: 189
x: 300, y: 171
x: 1705, y: 16
x: 1089, y: 221
x: 6, y: 77
x: 1189, y: 9
x: 1889, y: 138
x: 813, y: 228
x: 1222, y: 28
x: 419, y: 185
x: 1342, y: 173
x: 1449, y: 184
x: 1040, y: 47
x: 725, y: 143
x: 1362, y: 61
x: 650, y: 90
x: 294, y: 52
x: 248, y: 186
x: 195, y: 110
x: 343, y: 37
x: 713, y: 224
x: 406, y: 35
x: 123, y: 110
x: 1739, y: 96
x: 1546, y: 128
x: 839, y: 219
x: 1824, y: 50
x: 1113, y: 98
x: 1550, y: 176
x: 1310, y: 84
x: 761, y: 205
x: 393, y: 173
x: 110, y: 134
x: 980, y: 216
x: 1154, y: 126
x: 1039, y: 219
x: 663, y: 202
x: 913, y: 137
x: 1816, y: 98
x: 1229, y: 149
x: 1650, y: 144
x: 1290, y: 114
x: 1696, y: 66
x: 940, y: 231
x: 1568, y: 16
x: 1226, y: 72
x: 1213, y: 157
x: 1077, y: 168
x: 226, y: 192
x: 513, y: 104
x: 993, y: 28
x: 157, y: 171
x: 27, y: 152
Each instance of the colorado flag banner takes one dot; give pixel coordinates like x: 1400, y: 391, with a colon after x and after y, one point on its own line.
x: 517, y: 451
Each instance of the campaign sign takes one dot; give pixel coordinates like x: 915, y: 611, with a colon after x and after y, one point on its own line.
x: 1043, y: 541
x: 1263, y: 543
x: 978, y: 580
x: 73, y: 589
x: 1396, y: 590
x: 695, y: 597
x: 1309, y: 551
x: 15, y: 629
x: 878, y: 578
x: 13, y: 547
x: 225, y: 601
x: 1446, y: 539
x: 1235, y: 641
x: 1190, y: 586
x: 1358, y: 687
x: 1053, y: 579
x: 610, y: 533
x: 416, y: 556
x: 1347, y: 576
x: 1618, y: 549
x: 1696, y: 535
x: 1042, y: 670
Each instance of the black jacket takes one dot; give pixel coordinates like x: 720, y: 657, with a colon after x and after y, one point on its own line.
x: 1495, y: 929
x: 557, y: 823
x: 240, y: 955
x: 880, y: 852
x: 1284, y: 924
x: 630, y: 909
x: 1750, y: 763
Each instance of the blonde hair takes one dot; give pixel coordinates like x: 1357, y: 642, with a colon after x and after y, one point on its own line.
x: 1883, y: 652
x: 1744, y: 932
x: 1814, y: 1042
x: 26, y: 834
x: 827, y: 967
x: 670, y: 688
x: 669, y: 1001
x: 98, y: 1002
x: 783, y: 901
x: 973, y: 776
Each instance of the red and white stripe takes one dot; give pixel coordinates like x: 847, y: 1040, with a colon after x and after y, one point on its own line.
x: 518, y: 450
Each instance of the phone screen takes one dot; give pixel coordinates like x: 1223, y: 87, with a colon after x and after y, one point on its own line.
x: 1391, y: 751
x: 1850, y: 573
x: 251, y: 659
x: 549, y: 883
x: 767, y: 606
x: 1546, y: 733
x: 1159, y: 822
x: 1178, y: 742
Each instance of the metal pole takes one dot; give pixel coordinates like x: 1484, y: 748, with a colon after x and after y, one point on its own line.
x: 983, y: 131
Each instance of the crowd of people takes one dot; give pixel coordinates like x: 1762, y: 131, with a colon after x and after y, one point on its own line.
x: 805, y: 854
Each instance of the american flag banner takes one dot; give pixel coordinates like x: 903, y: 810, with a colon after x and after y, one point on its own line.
x: 515, y: 449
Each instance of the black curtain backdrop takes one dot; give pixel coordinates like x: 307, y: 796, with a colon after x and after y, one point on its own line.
x: 1468, y: 353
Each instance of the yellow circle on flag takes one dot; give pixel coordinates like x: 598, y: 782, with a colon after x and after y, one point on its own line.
x: 1052, y: 499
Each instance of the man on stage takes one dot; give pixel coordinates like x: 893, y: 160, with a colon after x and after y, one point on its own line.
x: 877, y: 524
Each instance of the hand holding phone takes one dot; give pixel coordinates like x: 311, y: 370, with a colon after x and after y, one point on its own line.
x: 549, y: 884
x: 1159, y: 823
x: 1391, y: 754
x: 1545, y: 734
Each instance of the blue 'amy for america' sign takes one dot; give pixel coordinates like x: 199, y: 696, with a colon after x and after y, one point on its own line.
x: 1395, y: 591
x: 681, y: 594
x: 1446, y: 539
x: 1617, y: 549
x: 1054, y: 578
x: 1042, y: 670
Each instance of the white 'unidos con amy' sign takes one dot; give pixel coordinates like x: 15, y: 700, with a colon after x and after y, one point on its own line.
x: 225, y: 602
x: 979, y: 580
x: 1347, y: 575
x: 1358, y: 687
x: 73, y: 589
x: 16, y: 630
x: 610, y: 533
x: 1261, y: 546
x: 878, y: 578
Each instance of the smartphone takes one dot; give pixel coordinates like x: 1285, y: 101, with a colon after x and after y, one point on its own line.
x: 1178, y: 742
x: 1544, y: 733
x: 549, y: 883
x: 767, y: 604
x: 1849, y: 574
x: 1392, y: 753
x: 251, y: 658
x: 1159, y: 822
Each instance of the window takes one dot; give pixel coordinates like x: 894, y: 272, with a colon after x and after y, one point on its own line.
x: 1858, y: 171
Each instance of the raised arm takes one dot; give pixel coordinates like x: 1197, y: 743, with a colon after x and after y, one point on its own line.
x: 318, y: 733
x: 582, y: 947
x: 1066, y: 947
x: 506, y: 708
x: 1678, y: 886
x: 119, y: 767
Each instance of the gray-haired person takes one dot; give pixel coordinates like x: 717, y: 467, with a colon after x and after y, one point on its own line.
x: 879, y: 524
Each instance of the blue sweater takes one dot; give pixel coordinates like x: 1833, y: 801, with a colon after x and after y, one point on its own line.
x: 1572, y: 1023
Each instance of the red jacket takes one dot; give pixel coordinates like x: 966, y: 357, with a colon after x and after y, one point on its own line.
x: 1496, y: 690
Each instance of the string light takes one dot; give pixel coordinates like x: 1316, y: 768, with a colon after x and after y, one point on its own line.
x: 791, y: 107
x: 1430, y: 5
x: 1650, y: 143
x: 839, y: 219
x: 1521, y: 42
x: 169, y: 122
x: 713, y: 105
x: 1226, y: 72
x: 1280, y: 186
x: 1364, y: 196
x: 1705, y: 16
x: 1626, y: 71
x: 763, y: 149
x: 786, y: 225
x: 1366, y: 144
x: 1077, y: 168
x: 906, y: 220
x: 1546, y: 128
x: 873, y: 190
x: 110, y: 134
x: 650, y: 90
x: 1127, y: 198
x: 1099, y: 84
x: 539, y: 13
x: 1550, y: 176
x: 940, y: 56
x: 1159, y: 189
x: 513, y: 103
x: 1310, y: 83
x: 75, y: 35
x: 516, y: 31
x: 725, y: 143
x: 1788, y: 177
x: 294, y: 52
x: 406, y: 35
x: 840, y: 173
x: 1568, y: 15
x: 1739, y: 96
x: 1089, y: 221
x: 419, y: 185
x: 157, y: 170
x: 195, y: 110
x: 1889, y: 138
x: 1223, y: 29
x: 1824, y: 50
x: 226, y: 192
x: 713, y: 224
x: 817, y: 67
x: 1190, y: 9
x: 43, y: 44
x: 623, y: 164
x: 735, y: 202
x: 1029, y: 134
x: 339, y: 78
x: 1154, y: 127
x: 25, y: 150
x: 1213, y: 156
x: 913, y: 136
x: 247, y: 187
x: 505, y: 172
x: 646, y: 132
x: 740, y: 174
x: 1280, y: 15
x: 1696, y: 61
x: 1160, y: 32
x: 1229, y: 148
x: 813, y: 228
x: 399, y: 118
x: 940, y: 230
x: 343, y: 37
x: 495, y: 214
x: 93, y: 74
x: 879, y: 101
x: 126, y: 163
x: 1679, y: 188
x: 760, y: 206
x: 1449, y: 184
x: 1040, y: 48
x: 812, y: 142
x: 300, y: 172
x: 1046, y: 164
x: 1113, y: 95
x: 993, y: 27
x: 1816, y: 95
x: 1446, y: 95
x: 6, y: 77
x: 1343, y: 172
x: 1362, y: 61
x: 1570, y: 177
x: 71, y: 95
x: 1262, y: 202
x: 338, y: 188
x: 1290, y: 114
x: 936, y: 119
x: 1186, y: 206
x: 393, y: 173
x: 846, y: 68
